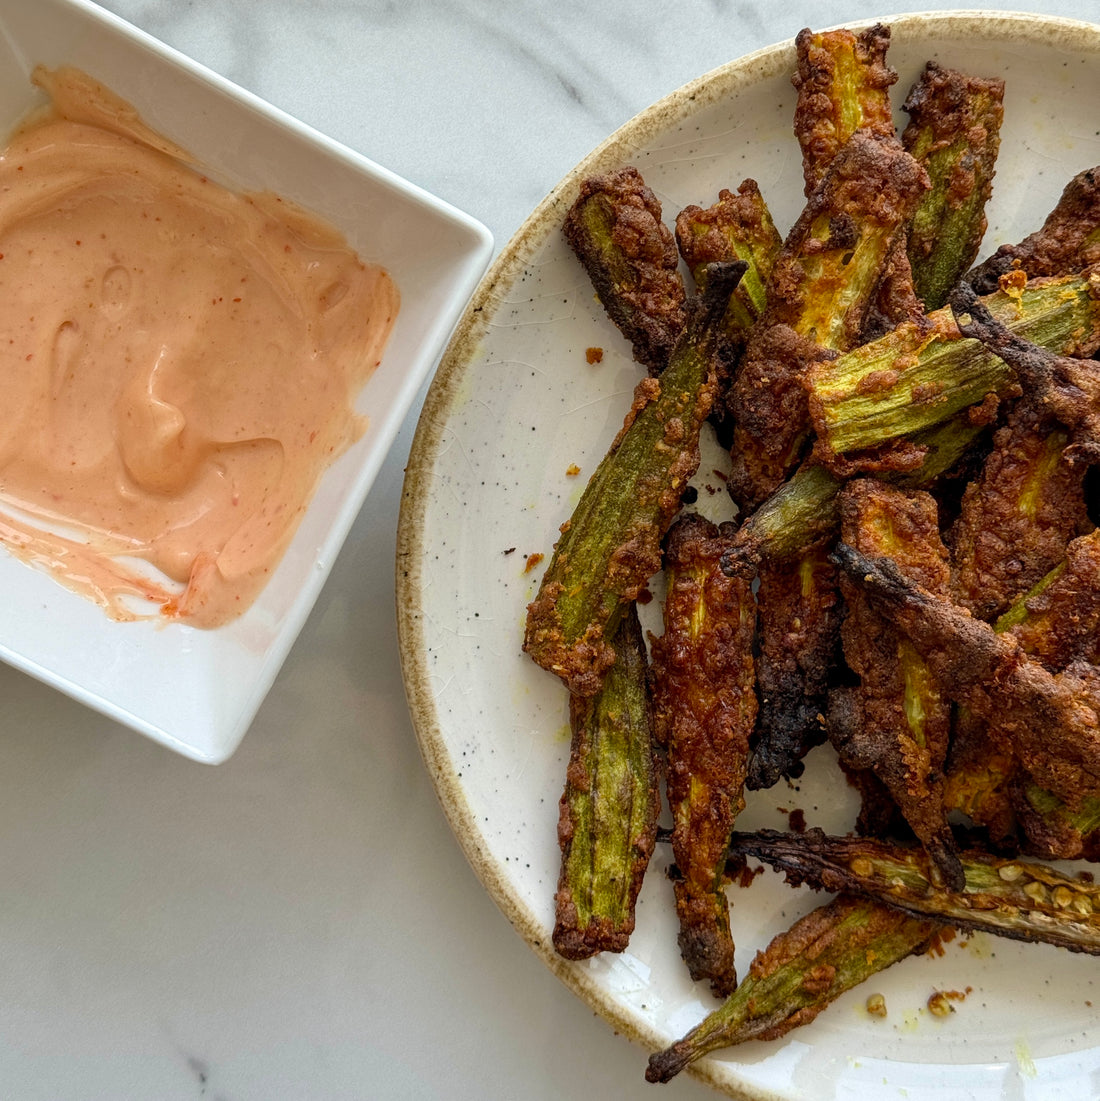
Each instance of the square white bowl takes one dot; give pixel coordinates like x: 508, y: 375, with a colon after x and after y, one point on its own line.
x: 197, y: 691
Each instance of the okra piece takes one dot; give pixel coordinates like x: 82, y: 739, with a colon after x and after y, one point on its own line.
x: 980, y: 778
x: 829, y: 951
x: 614, y: 227
x: 1010, y: 539
x: 798, y: 628
x: 924, y: 373
x: 1018, y: 515
x: 954, y: 132
x: 803, y: 511
x: 1067, y: 242
x: 1053, y: 831
x: 1050, y: 721
x: 1065, y: 389
x: 821, y: 289
x: 607, y: 824
x: 1058, y: 622
x: 737, y: 227
x: 896, y: 721
x: 1019, y: 899
x: 843, y: 84
x: 611, y: 545
x: 705, y: 707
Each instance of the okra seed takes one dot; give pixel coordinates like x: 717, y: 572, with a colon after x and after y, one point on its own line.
x: 876, y: 1005
x: 1062, y: 897
x: 1010, y: 872
x: 861, y: 866
x: 1083, y: 905
x: 1036, y: 891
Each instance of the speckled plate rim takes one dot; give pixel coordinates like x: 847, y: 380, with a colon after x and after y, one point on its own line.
x: 1029, y: 28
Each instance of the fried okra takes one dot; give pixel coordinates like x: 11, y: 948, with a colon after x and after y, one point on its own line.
x: 614, y: 227
x: 896, y: 721
x: 705, y: 706
x: 820, y: 291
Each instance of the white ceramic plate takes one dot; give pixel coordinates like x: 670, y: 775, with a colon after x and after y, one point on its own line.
x: 513, y: 406
x: 197, y: 691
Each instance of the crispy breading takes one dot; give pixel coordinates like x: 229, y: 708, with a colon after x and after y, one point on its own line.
x: 705, y: 709
x: 614, y: 226
x: 818, y: 298
x: 1050, y: 721
x: 1018, y: 515
x: 954, y: 131
x: 979, y: 779
x: 769, y: 412
x: 896, y: 721
x: 843, y: 83
x: 896, y: 299
x: 1058, y: 621
x: 1068, y: 241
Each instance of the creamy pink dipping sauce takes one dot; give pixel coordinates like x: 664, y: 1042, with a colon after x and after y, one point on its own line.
x: 179, y: 363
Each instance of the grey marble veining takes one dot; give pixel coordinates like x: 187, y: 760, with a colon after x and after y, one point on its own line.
x: 299, y: 923
x: 488, y: 104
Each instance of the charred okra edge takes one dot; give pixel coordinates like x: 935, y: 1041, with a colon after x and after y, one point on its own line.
x: 1018, y: 899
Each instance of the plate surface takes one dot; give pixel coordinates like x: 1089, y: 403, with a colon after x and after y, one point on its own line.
x: 514, y: 406
x: 194, y: 690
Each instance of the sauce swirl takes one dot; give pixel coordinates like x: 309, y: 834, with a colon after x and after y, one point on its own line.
x: 180, y: 362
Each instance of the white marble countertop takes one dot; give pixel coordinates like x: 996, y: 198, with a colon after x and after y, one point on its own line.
x: 299, y: 922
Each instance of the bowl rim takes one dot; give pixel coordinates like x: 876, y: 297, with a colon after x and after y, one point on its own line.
x: 214, y: 735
